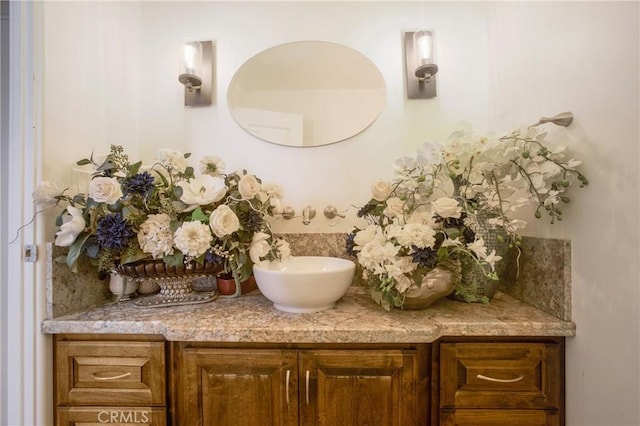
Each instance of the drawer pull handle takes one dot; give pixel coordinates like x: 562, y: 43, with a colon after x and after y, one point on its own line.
x: 287, y: 387
x: 493, y: 379
x: 307, y: 386
x: 119, y: 376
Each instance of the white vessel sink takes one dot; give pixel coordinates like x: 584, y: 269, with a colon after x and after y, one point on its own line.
x: 304, y: 283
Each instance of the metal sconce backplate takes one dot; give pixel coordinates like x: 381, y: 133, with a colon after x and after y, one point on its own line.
x: 416, y: 88
x: 204, y: 95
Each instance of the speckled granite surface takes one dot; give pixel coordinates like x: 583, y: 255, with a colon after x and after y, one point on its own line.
x: 544, y: 278
x: 354, y: 319
x: 535, y: 303
x: 71, y: 292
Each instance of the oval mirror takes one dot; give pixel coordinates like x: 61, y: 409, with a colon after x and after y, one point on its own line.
x: 306, y: 93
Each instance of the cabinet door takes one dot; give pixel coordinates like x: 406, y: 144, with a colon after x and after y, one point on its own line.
x: 361, y: 387
x: 230, y: 387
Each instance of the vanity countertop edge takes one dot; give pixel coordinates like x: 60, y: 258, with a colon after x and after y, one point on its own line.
x: 355, y: 318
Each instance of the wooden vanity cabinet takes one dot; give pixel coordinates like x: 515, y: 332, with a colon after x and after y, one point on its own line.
x: 319, y: 385
x: 144, y: 380
x: 497, y: 382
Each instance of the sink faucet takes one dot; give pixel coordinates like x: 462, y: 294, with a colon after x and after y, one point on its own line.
x: 308, y: 213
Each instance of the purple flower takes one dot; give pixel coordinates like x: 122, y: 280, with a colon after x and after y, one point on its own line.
x: 140, y: 183
x: 113, y: 232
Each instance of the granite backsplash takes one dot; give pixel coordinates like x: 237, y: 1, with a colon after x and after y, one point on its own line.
x: 541, y: 277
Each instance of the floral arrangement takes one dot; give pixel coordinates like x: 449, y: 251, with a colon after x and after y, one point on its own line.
x: 428, y: 216
x: 165, y: 211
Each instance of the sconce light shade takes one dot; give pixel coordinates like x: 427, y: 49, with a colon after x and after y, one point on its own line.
x: 420, y: 64
x: 196, y: 72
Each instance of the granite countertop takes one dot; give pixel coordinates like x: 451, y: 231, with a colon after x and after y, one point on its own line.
x: 354, y: 319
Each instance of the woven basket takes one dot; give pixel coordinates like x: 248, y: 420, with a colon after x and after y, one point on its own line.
x: 474, y: 285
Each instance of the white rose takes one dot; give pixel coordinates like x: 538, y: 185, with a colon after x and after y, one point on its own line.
x: 223, y: 221
x: 73, y: 224
x: 380, y: 190
x: 45, y: 194
x: 105, y: 190
x: 202, y: 190
x: 248, y: 186
x: 259, y: 246
x: 446, y: 207
x: 395, y: 208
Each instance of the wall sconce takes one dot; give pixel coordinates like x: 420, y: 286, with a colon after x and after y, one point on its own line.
x: 196, y: 72
x: 420, y: 64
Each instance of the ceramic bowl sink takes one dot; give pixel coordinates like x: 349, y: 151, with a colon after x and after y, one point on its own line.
x: 304, y: 283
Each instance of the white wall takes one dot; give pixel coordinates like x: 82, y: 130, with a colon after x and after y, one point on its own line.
x: 550, y: 57
x: 91, y: 83
x: 501, y: 65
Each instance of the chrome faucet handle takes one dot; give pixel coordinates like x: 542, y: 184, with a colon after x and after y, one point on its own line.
x: 331, y: 212
x: 288, y: 212
x: 308, y: 213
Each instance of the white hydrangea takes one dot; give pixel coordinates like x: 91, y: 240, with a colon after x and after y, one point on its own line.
x: 155, y: 236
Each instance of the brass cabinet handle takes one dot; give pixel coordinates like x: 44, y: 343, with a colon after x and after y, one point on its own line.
x: 287, y: 386
x: 307, y: 386
x: 119, y: 376
x: 493, y: 379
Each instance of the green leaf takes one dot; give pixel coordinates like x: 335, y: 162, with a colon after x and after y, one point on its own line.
x: 75, y: 249
x: 133, y: 256
x: 199, y: 215
x: 175, y: 259
x: 83, y: 162
x: 135, y: 168
x: 453, y: 233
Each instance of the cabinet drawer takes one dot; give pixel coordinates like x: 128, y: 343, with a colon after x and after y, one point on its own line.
x: 110, y: 373
x: 500, y: 375
x: 90, y: 416
x: 500, y: 418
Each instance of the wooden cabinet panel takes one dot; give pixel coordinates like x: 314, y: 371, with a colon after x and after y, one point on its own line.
x: 500, y: 418
x: 359, y: 387
x: 500, y: 375
x: 110, y: 373
x: 228, y: 387
x: 124, y: 416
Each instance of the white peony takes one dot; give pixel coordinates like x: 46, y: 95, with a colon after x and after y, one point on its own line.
x: 416, y: 234
x: 193, y: 238
x: 72, y: 225
x: 202, y: 190
x: 248, y: 186
x: 172, y: 160
x: 223, y: 221
x: 105, y: 190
